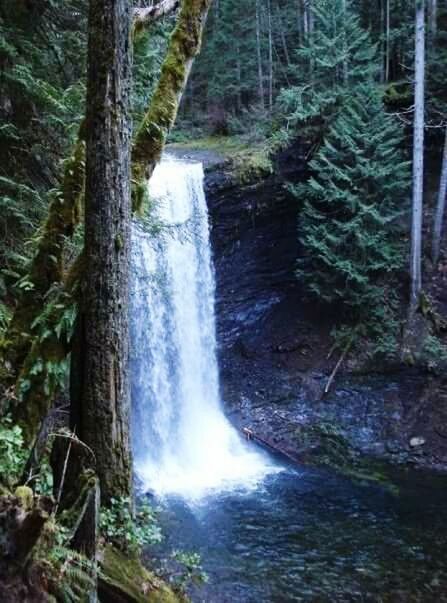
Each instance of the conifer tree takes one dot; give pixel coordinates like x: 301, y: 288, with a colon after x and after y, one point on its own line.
x: 338, y: 56
x: 350, y: 204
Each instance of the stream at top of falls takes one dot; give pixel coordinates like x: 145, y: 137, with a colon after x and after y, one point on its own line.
x: 266, y: 531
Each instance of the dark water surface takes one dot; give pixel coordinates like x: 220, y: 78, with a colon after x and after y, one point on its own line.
x: 310, y: 535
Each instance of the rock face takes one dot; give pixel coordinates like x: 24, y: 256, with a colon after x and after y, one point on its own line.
x: 254, y: 244
x: 273, y: 345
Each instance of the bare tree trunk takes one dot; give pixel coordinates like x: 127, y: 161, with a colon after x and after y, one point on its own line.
x: 283, y: 37
x: 418, y: 156
x: 259, y: 55
x: 388, y: 42
x: 102, y: 409
x: 299, y: 22
x: 311, y: 18
x: 269, y: 18
x: 440, y: 208
x: 382, y: 41
x: 345, y: 49
x: 305, y: 18
x: 238, y: 78
x: 184, y: 44
x: 433, y: 16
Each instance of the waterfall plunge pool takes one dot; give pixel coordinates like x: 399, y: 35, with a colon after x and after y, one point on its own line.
x: 266, y: 532
x: 313, y: 536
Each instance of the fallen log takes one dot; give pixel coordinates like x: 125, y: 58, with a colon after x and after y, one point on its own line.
x: 338, y: 365
x: 250, y: 435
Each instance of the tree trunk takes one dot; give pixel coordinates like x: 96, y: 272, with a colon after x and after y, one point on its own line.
x: 269, y: 17
x: 440, y: 208
x: 345, y: 48
x: 103, y: 408
x: 184, y: 45
x: 388, y: 42
x: 305, y: 18
x: 311, y: 17
x: 238, y: 78
x: 259, y: 56
x: 418, y: 156
x: 283, y: 37
x: 299, y: 22
x: 433, y: 16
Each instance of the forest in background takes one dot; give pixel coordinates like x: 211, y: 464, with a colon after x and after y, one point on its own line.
x: 270, y: 74
x: 335, y: 78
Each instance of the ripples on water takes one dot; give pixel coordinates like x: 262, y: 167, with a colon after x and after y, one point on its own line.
x: 308, y: 535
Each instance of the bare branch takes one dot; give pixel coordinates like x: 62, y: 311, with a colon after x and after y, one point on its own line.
x: 145, y: 16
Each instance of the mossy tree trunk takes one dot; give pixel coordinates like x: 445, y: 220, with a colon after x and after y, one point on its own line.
x: 150, y: 139
x: 102, y: 408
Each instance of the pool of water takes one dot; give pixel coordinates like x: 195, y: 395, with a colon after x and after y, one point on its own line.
x: 311, y: 535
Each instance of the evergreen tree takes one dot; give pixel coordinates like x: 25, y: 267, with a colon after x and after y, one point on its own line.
x: 337, y: 56
x: 350, y: 205
x: 42, y: 65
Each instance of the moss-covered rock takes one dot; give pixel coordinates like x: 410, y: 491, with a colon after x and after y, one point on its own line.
x: 325, y: 446
x: 25, y: 497
x: 125, y: 580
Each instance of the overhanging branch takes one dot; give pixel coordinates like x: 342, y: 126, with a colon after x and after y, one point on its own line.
x: 145, y: 16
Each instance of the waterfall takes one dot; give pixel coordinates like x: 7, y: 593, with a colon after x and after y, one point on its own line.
x: 183, y: 443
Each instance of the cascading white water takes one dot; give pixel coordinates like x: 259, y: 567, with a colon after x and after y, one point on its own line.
x: 182, y: 441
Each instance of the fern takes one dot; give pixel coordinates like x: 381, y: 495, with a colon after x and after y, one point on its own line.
x: 70, y: 575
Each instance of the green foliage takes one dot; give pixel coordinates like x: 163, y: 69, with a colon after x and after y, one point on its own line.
x: 188, y: 570
x: 52, y: 328
x: 68, y: 573
x: 337, y: 57
x: 12, y: 453
x: 5, y: 315
x: 350, y: 206
x: 434, y: 354
x: 149, y: 50
x: 43, y: 479
x: 126, y: 530
x: 42, y: 52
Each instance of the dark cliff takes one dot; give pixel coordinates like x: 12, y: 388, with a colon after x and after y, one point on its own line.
x: 273, y: 346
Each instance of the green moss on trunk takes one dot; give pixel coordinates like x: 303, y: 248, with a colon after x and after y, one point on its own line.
x: 151, y: 137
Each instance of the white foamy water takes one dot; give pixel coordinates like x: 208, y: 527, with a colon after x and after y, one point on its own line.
x: 183, y: 443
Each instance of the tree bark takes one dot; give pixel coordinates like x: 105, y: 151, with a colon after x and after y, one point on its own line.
x: 259, y: 56
x: 345, y: 49
x: 283, y: 36
x: 388, y: 42
x: 305, y: 18
x: 144, y: 16
x: 418, y: 157
x: 104, y: 405
x: 270, y: 32
x: 440, y: 207
x: 184, y: 45
x: 433, y: 18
